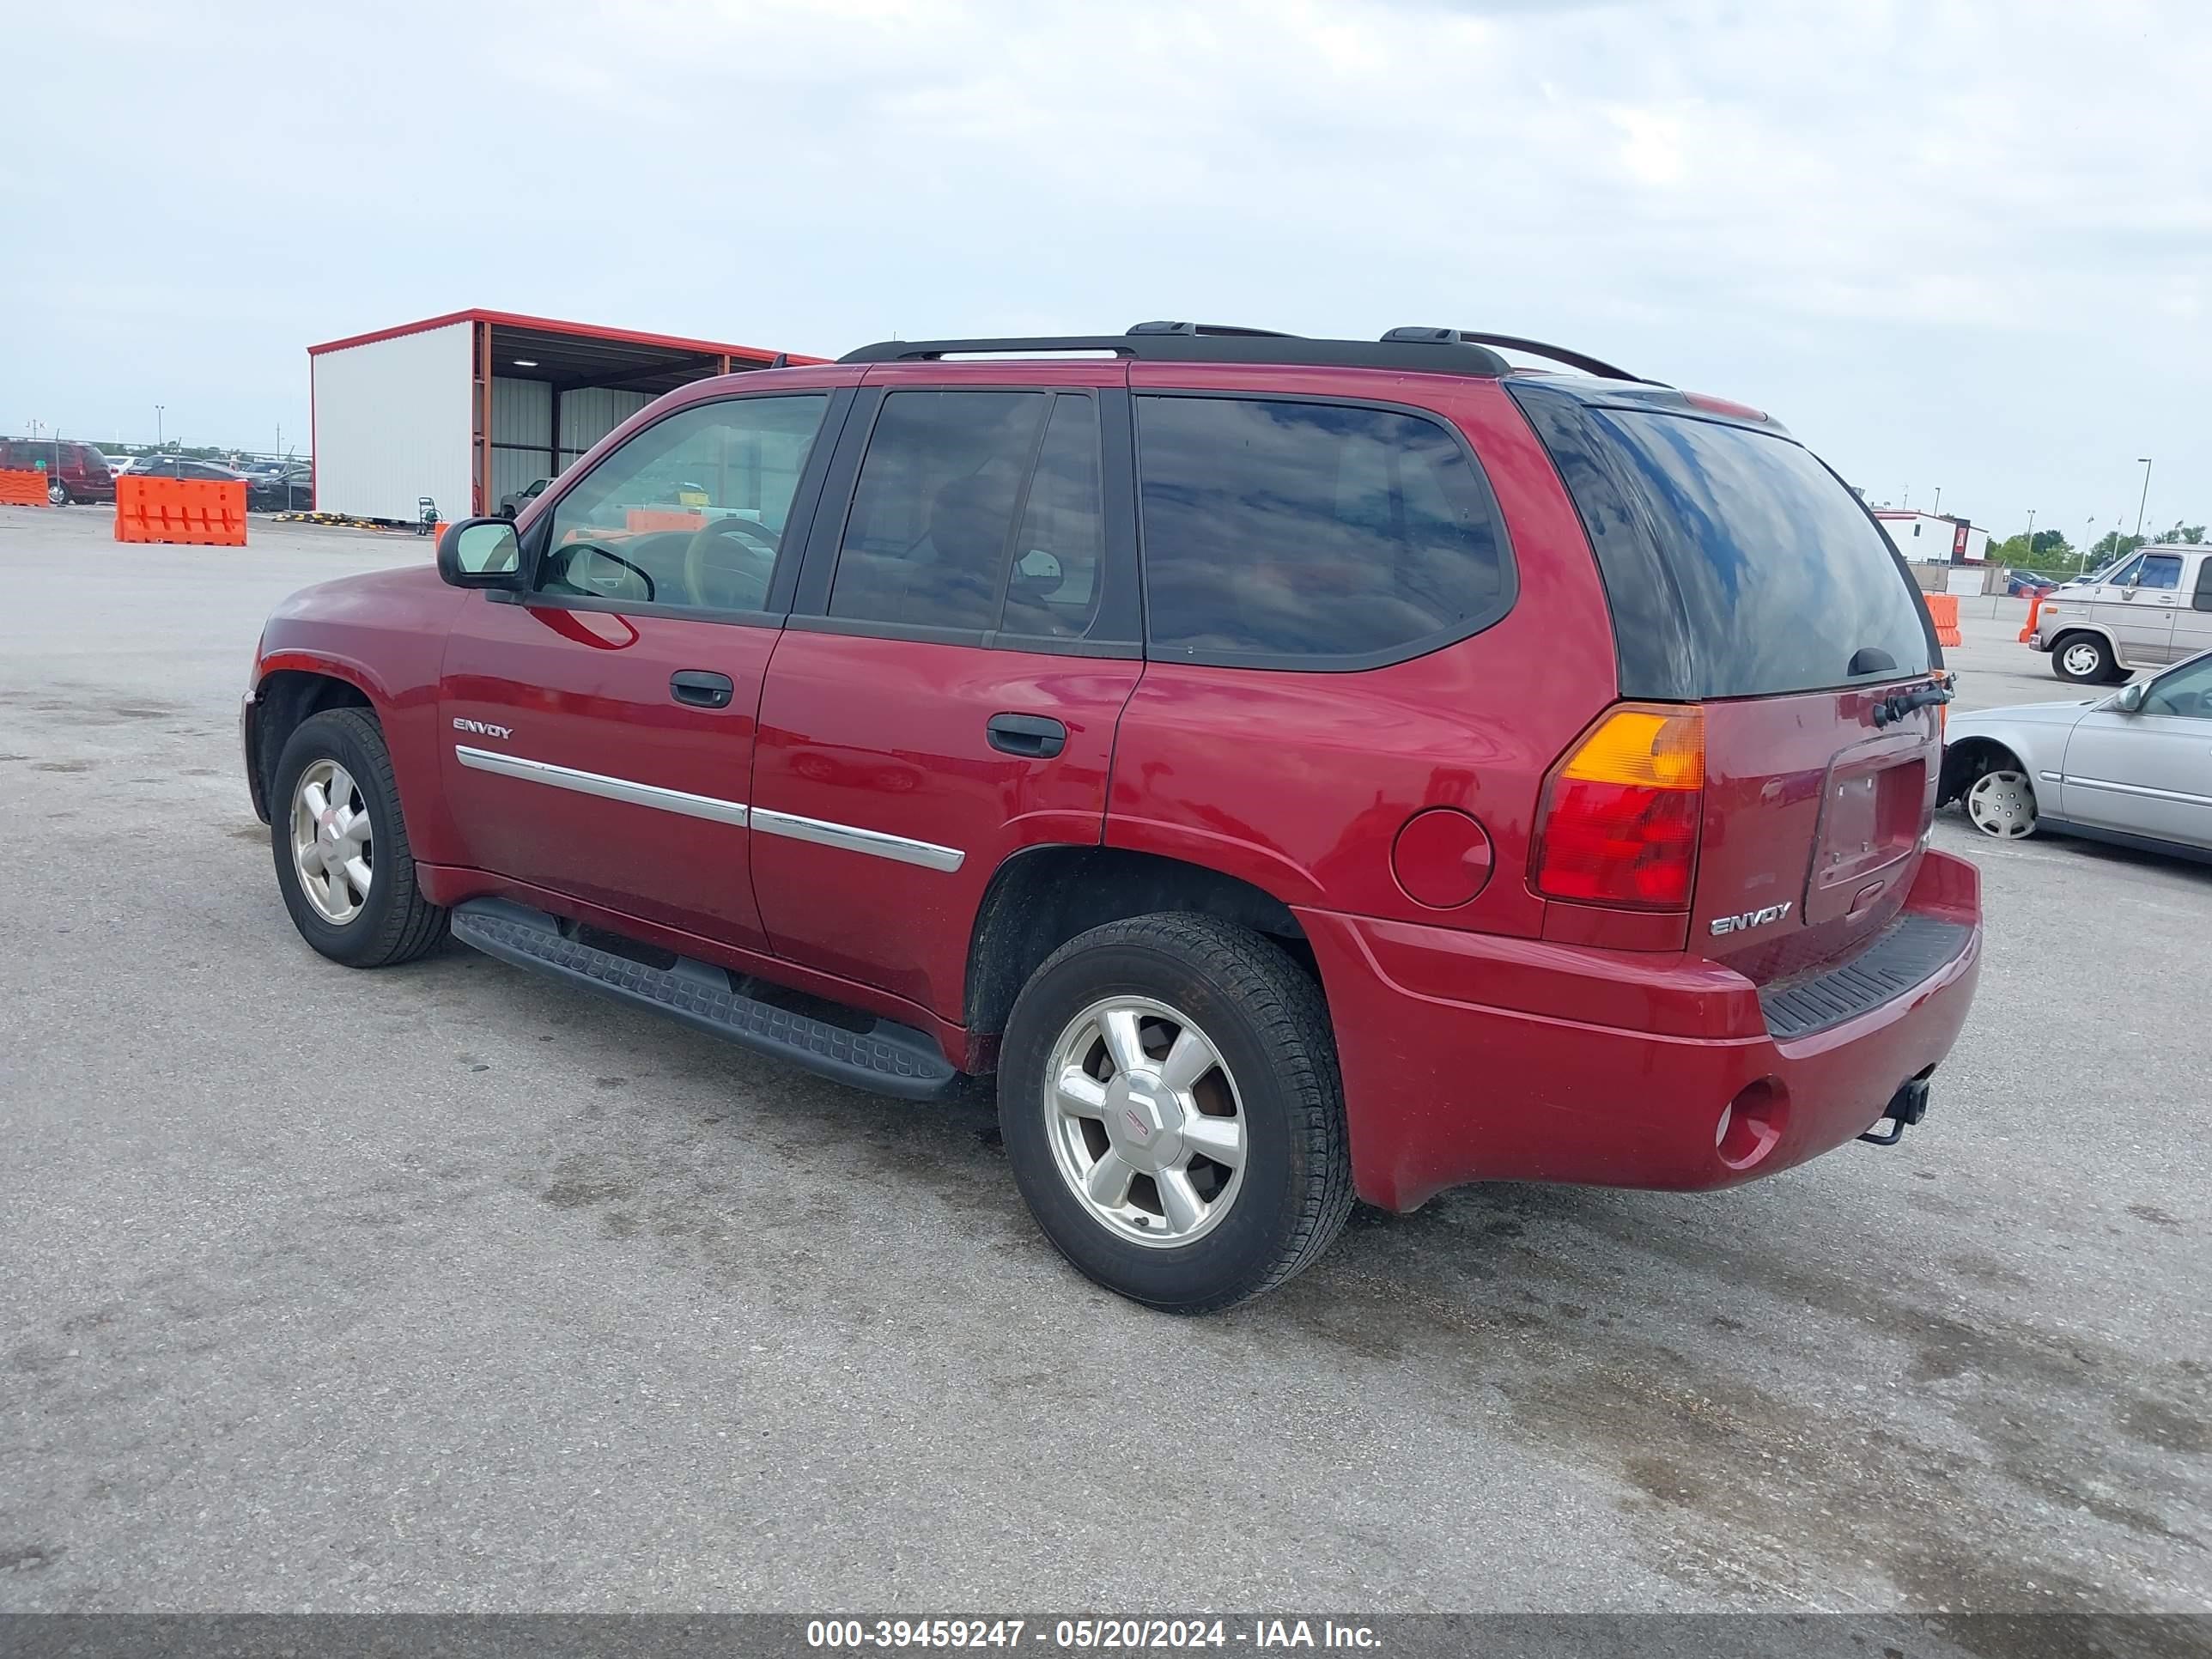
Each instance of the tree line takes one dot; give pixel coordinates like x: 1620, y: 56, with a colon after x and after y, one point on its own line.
x: 2049, y: 549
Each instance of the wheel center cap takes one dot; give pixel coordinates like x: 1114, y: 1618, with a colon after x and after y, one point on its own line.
x: 1143, y: 1122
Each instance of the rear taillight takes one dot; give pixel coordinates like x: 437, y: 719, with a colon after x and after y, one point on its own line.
x: 1620, y: 813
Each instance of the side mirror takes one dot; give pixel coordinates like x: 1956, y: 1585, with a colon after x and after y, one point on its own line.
x: 2130, y: 700
x: 480, y: 553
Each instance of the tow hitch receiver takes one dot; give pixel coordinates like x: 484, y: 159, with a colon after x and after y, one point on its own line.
x: 1906, y: 1107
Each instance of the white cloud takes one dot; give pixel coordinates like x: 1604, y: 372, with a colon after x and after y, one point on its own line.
x: 1963, y: 239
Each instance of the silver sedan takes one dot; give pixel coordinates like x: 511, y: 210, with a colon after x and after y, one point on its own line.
x: 2134, y: 768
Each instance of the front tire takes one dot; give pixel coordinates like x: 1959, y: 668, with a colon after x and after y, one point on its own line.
x: 2083, y: 659
x: 1170, y: 1102
x: 343, y: 860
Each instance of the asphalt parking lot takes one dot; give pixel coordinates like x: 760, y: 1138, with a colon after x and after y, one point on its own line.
x: 446, y: 1287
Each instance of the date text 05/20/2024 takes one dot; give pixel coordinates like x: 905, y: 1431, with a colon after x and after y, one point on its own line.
x: 1089, y: 1634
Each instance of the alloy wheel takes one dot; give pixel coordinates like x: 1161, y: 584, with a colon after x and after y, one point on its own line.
x: 331, y: 846
x: 1145, y: 1121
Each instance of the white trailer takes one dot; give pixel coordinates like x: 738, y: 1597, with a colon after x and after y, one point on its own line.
x: 466, y: 408
x: 1932, y: 537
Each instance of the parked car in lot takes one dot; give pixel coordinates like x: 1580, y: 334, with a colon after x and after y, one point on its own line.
x: 2151, y: 608
x: 280, y: 487
x: 512, y: 503
x: 2026, y: 584
x: 1295, y: 768
x: 2133, y: 767
x: 75, y: 471
x: 183, y: 467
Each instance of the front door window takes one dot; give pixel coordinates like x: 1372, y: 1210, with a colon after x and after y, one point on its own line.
x: 2186, y: 694
x: 690, y: 513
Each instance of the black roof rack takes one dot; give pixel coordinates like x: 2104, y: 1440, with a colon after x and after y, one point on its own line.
x: 1588, y: 364
x: 1222, y: 331
x: 1213, y: 343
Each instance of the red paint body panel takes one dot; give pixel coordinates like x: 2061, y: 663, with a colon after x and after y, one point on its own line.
x: 1466, y: 1058
x: 385, y: 633
x: 589, y: 690
x: 1299, y: 782
x: 889, y: 735
x: 1793, y: 786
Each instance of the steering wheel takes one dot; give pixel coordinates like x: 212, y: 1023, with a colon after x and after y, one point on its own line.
x: 705, y: 563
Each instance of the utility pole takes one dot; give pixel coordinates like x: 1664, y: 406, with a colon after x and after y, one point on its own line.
x: 2144, y: 462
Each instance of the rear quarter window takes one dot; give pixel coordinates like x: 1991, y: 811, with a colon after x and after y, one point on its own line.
x: 1284, y: 533
x: 1735, y: 563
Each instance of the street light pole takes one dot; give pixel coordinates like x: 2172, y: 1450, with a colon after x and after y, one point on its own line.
x: 158, y: 441
x: 1938, y: 508
x: 2145, y: 462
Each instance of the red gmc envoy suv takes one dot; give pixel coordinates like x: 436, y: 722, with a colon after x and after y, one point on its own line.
x: 1298, y: 769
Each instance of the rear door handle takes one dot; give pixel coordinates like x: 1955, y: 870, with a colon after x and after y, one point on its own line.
x: 699, y: 688
x: 1033, y: 737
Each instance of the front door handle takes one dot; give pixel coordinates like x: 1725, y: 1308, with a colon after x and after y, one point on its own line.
x: 1033, y: 737
x: 699, y: 688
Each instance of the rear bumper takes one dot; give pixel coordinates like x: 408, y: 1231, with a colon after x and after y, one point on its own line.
x: 1472, y: 1058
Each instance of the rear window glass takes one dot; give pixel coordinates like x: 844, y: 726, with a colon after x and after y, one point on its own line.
x: 1784, y: 582
x: 1297, y: 534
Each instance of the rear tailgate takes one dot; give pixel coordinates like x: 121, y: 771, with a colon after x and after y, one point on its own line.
x: 1744, y: 577
x: 1813, y: 820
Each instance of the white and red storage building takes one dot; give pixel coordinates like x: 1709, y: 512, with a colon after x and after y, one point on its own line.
x: 464, y: 409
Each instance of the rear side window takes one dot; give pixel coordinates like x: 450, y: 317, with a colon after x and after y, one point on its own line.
x: 1737, y: 565
x: 933, y: 516
x: 1289, y: 534
x: 1052, y: 584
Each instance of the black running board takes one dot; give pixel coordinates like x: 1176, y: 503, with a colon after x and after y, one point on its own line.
x: 887, y: 1058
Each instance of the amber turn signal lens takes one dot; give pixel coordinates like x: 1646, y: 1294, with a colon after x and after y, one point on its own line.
x: 1646, y: 747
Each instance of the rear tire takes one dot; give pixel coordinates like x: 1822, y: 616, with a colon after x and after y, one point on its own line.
x: 1177, y: 1035
x: 317, y: 839
x: 58, y: 494
x: 2083, y: 659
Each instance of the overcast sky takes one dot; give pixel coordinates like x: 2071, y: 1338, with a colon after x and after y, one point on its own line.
x: 1956, y: 244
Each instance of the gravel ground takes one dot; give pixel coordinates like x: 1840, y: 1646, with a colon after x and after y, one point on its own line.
x: 450, y: 1288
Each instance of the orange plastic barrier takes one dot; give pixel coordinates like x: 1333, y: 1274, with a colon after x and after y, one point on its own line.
x: 661, y: 518
x: 2034, y: 606
x: 1943, y: 611
x: 198, y: 512
x: 22, y: 490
